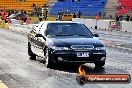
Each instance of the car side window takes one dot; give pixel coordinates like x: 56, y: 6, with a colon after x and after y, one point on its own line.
x: 51, y: 30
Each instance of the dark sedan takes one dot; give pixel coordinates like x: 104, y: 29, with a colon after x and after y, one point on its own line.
x: 65, y: 41
x: 22, y: 17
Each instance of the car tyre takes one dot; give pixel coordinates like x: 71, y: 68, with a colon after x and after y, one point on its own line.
x: 30, y: 53
x: 48, y: 61
x: 99, y: 64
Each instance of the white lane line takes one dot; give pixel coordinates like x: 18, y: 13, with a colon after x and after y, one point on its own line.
x: 2, y: 85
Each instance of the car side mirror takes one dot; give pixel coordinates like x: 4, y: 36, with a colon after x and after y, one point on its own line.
x: 96, y: 35
x: 38, y: 35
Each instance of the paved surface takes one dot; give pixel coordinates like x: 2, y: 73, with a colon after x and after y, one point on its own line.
x: 2, y: 85
x: 17, y: 71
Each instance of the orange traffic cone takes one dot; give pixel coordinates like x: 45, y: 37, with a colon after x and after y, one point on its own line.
x: 9, y: 20
x: 28, y: 21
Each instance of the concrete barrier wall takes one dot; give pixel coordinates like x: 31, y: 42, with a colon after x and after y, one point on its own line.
x: 20, y: 28
x: 90, y: 23
x: 127, y: 26
x: 104, y: 24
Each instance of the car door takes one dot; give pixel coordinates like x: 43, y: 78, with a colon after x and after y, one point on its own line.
x: 34, y: 40
x: 40, y: 44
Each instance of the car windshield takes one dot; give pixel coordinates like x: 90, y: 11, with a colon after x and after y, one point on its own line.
x: 13, y: 15
x: 21, y: 15
x: 67, y: 29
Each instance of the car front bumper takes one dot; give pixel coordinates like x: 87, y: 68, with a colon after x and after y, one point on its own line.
x: 71, y: 56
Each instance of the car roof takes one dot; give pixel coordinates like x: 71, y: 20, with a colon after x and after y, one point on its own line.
x: 13, y: 14
x: 47, y: 22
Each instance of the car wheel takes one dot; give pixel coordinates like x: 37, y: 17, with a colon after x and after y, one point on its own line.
x: 30, y: 53
x: 100, y: 64
x: 48, y: 62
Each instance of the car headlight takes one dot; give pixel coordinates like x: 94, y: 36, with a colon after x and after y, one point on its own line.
x: 100, y: 48
x: 60, y: 48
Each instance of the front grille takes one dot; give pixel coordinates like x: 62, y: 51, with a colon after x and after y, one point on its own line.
x: 82, y: 47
